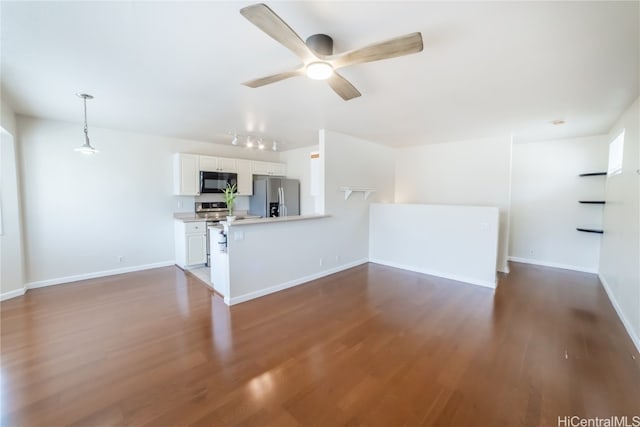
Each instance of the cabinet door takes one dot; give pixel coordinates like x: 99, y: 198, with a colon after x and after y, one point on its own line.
x: 278, y: 169
x: 186, y: 175
x: 227, y: 165
x: 196, y: 249
x: 245, y: 178
x: 208, y: 163
x: 260, y: 168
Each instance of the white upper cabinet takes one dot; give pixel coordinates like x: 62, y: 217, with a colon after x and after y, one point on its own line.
x: 227, y: 165
x: 245, y: 178
x: 278, y: 169
x: 218, y: 164
x: 187, y: 169
x: 186, y: 174
x: 269, y: 168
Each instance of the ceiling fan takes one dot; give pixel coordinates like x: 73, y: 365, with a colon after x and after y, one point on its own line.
x: 319, y: 61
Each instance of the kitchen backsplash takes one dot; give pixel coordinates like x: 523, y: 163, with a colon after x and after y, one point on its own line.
x: 186, y: 203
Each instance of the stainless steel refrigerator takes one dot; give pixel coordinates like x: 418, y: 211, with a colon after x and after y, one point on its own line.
x: 275, y: 197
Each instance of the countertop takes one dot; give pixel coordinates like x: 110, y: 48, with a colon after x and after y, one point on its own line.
x: 194, y: 217
x: 251, y: 221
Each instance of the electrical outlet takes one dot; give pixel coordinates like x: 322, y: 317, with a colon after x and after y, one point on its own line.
x: 337, y: 258
x: 120, y: 259
x: 321, y: 262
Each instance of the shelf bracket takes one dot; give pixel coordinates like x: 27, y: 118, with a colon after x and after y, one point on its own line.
x: 349, y: 190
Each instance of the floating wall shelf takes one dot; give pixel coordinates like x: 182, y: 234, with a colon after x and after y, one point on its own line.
x: 590, y: 230
x: 593, y: 174
x: 591, y: 202
x: 349, y: 190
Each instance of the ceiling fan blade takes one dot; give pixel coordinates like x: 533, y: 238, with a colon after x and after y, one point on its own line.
x: 342, y: 87
x: 274, y: 78
x: 266, y: 19
x: 399, y: 46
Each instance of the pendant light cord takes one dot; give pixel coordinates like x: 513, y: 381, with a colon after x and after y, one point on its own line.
x: 86, y: 130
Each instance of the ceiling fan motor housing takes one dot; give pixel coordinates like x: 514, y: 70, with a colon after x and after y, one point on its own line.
x: 320, y: 43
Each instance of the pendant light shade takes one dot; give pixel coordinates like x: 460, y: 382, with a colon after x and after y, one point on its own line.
x: 86, y: 148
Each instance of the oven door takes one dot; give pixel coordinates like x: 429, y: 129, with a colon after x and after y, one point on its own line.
x: 216, y: 182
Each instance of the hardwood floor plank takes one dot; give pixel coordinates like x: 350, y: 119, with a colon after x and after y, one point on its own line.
x: 367, y: 346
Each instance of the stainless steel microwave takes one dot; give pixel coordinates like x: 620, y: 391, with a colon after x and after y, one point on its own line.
x: 216, y: 182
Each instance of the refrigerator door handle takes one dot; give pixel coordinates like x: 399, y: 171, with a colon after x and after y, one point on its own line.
x: 284, y: 205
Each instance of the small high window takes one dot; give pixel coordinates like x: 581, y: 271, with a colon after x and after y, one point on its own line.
x: 616, y: 151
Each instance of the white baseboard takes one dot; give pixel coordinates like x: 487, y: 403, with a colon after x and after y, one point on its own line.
x: 627, y: 325
x: 292, y: 283
x: 553, y: 264
x: 470, y: 280
x: 68, y: 279
x: 12, y: 294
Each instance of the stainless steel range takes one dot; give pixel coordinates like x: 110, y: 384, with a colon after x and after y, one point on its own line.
x: 213, y: 213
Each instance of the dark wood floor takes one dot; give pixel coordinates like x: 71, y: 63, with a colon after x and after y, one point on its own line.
x: 369, y: 346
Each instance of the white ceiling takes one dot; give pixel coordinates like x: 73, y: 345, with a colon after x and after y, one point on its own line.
x: 175, y: 68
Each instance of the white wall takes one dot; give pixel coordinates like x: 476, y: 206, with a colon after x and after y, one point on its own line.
x: 299, y: 167
x: 544, y: 202
x: 355, y: 162
x: 11, y: 248
x: 475, y: 173
x: 620, y: 250
x: 285, y: 254
x: 83, y: 212
x: 7, y: 117
x: 455, y: 242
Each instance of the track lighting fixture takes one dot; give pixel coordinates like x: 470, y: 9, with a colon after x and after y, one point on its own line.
x: 251, y: 141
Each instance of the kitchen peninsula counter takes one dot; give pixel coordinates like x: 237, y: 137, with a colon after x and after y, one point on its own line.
x: 195, y: 217
x: 257, y: 256
x: 251, y: 221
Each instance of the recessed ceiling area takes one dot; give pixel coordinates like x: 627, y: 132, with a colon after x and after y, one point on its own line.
x: 176, y: 68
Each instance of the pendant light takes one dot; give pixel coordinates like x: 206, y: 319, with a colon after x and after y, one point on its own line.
x: 86, y: 148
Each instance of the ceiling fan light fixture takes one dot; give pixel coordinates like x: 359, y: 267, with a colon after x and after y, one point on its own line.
x: 249, y: 143
x: 234, y: 141
x: 260, y: 144
x: 319, y: 70
x: 274, y: 147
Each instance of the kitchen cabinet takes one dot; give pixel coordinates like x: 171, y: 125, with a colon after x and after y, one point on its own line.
x: 269, y: 168
x: 186, y: 174
x: 218, y: 164
x: 191, y: 243
x: 245, y: 177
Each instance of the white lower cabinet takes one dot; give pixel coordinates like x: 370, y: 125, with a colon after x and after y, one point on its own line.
x: 191, y: 243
